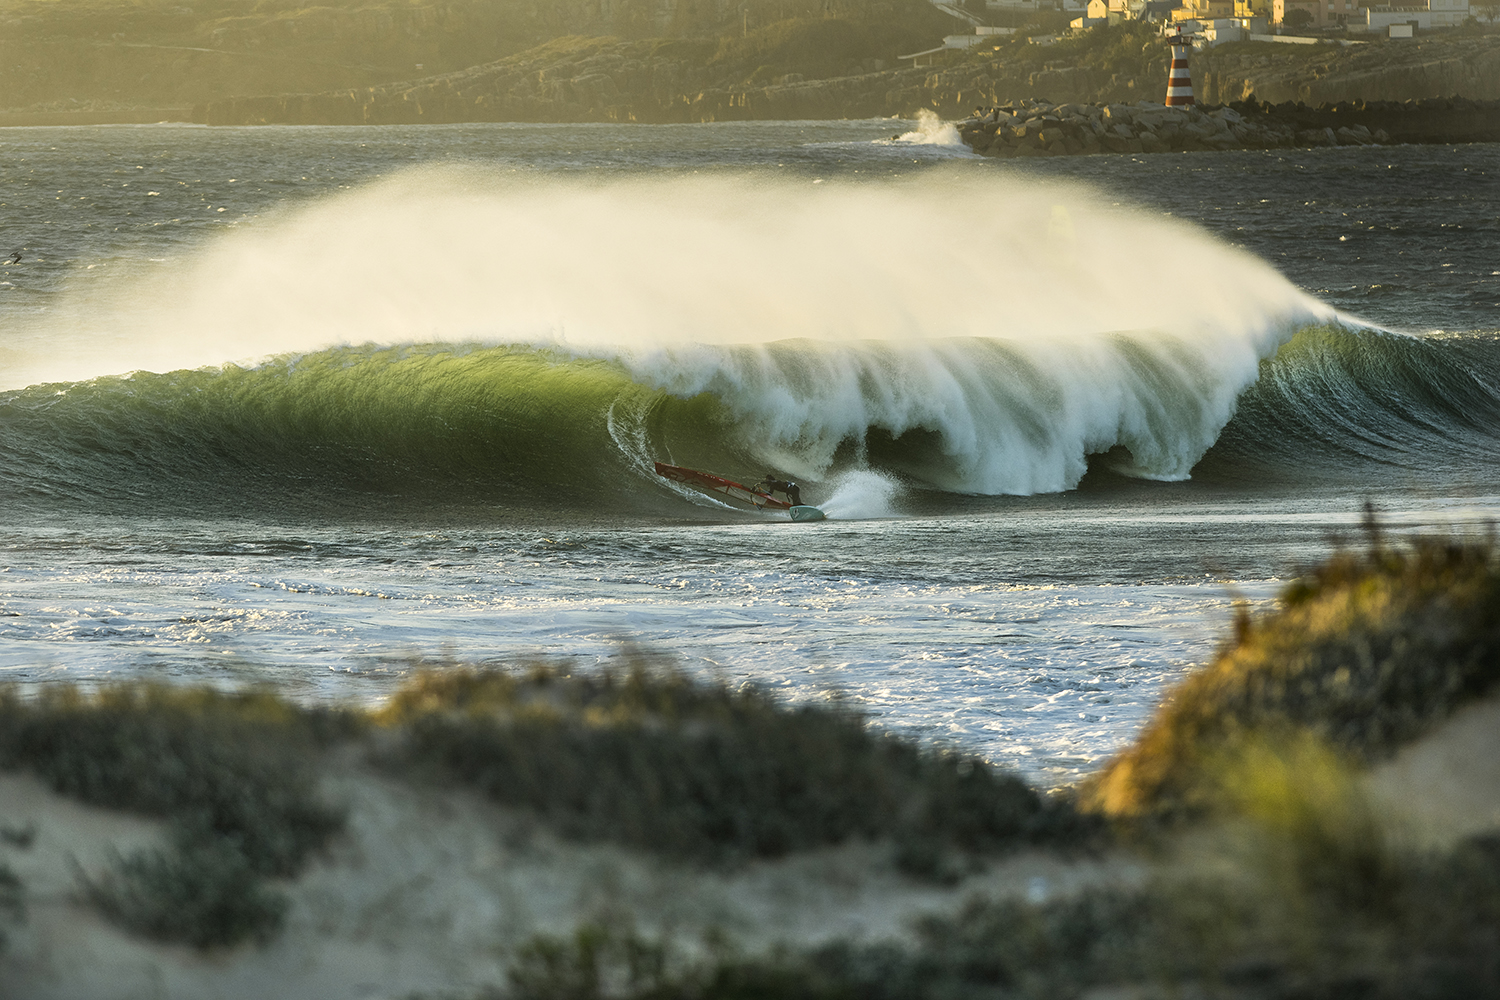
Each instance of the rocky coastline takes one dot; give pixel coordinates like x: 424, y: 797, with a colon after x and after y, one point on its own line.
x: 1040, y: 128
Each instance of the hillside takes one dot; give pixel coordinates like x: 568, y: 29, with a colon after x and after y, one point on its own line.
x: 788, y: 71
x: 1435, y: 66
x: 66, y: 55
x: 410, y: 61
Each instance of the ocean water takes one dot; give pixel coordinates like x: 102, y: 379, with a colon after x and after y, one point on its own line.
x: 308, y: 406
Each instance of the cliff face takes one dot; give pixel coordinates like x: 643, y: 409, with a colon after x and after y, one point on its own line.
x: 1378, y: 71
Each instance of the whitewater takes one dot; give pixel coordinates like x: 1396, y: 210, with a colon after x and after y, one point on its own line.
x: 311, y: 406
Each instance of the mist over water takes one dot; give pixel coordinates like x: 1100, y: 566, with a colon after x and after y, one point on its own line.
x: 456, y: 255
x: 814, y: 313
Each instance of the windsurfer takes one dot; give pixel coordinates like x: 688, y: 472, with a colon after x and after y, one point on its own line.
x: 774, y: 485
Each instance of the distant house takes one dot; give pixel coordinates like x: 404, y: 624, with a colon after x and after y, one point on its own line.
x: 1095, y: 14
x: 1114, y: 11
x: 1153, y: 10
x: 1204, y: 10
x: 1100, y: 12
x: 1324, y: 13
x: 1432, y: 14
x: 1358, y: 17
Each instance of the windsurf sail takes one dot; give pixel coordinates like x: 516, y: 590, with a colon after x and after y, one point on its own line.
x: 720, y: 485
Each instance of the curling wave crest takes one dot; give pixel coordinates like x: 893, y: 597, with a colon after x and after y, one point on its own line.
x: 977, y: 334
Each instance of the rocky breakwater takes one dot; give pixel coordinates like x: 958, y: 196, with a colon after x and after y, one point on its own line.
x: 1039, y: 128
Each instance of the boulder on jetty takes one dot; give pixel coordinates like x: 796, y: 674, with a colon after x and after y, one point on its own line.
x: 1040, y: 128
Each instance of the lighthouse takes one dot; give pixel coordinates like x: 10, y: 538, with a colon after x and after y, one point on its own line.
x: 1179, y: 81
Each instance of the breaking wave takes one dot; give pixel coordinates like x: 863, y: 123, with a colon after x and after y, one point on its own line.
x: 511, y: 341
x: 933, y: 131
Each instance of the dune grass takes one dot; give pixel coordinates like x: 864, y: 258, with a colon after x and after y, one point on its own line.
x: 1301, y: 895
x: 233, y: 775
x: 1289, y: 884
x: 647, y: 758
x: 653, y: 760
x: 1368, y: 651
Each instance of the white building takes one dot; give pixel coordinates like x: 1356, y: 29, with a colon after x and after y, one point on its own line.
x: 1423, y: 17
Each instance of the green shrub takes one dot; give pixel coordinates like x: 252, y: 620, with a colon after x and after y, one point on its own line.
x: 656, y: 761
x: 206, y: 894
x: 598, y: 959
x: 233, y: 774
x: 12, y: 900
x: 1368, y: 651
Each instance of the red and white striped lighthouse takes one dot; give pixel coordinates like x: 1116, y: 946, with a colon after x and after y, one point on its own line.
x: 1179, y: 81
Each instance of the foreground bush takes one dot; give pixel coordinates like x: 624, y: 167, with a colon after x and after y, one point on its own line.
x: 649, y: 759
x: 234, y: 775
x: 1291, y: 885
x: 1369, y: 651
x: 654, y: 760
x: 205, y: 893
x: 1294, y: 903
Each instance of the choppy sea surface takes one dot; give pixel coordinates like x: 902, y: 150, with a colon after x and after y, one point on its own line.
x: 306, y: 406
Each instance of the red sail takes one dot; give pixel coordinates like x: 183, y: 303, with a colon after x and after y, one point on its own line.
x: 720, y: 485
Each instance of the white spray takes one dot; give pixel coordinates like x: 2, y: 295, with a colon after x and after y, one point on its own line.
x: 1026, y: 325
x: 933, y: 131
x: 861, y: 494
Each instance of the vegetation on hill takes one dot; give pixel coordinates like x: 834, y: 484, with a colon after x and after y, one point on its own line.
x: 1454, y: 64
x: 234, y: 775
x: 798, y: 68
x: 1289, y: 884
x: 162, y: 53
x: 647, y: 758
x: 661, y: 763
x: 1369, y: 650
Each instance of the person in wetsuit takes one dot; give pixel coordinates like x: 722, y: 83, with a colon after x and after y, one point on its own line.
x: 774, y: 485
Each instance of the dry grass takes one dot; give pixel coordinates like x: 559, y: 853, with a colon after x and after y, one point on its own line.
x: 1369, y: 651
x: 653, y: 760
x: 235, y: 776
x: 647, y: 758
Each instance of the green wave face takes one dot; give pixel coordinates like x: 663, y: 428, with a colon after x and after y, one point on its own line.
x: 513, y: 426
x: 519, y: 427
